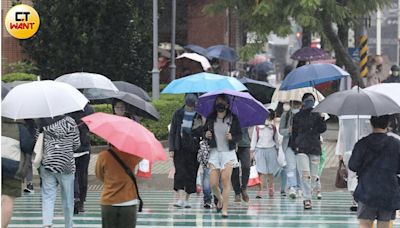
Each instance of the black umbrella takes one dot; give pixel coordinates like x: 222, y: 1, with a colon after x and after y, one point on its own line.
x: 4, y: 89
x: 260, y: 90
x: 131, y: 88
x: 138, y: 106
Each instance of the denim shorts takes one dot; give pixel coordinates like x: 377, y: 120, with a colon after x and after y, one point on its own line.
x: 372, y: 213
x: 219, y: 160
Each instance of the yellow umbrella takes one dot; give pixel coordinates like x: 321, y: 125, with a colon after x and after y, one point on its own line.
x: 295, y: 94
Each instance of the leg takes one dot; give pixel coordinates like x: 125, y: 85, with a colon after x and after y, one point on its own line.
x: 214, y: 183
x: 66, y: 182
x: 49, y: 191
x: 383, y: 224
x: 283, y: 176
x: 291, y: 173
x: 314, y: 167
x: 77, y: 184
x: 84, y: 178
x: 270, y: 185
x: 206, y: 186
x: 235, y: 181
x: 226, y: 183
x: 364, y: 223
x: 7, y: 206
x: 127, y: 217
x: 246, y: 164
x: 109, y: 216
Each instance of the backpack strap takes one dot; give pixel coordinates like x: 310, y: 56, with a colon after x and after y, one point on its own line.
x: 258, y: 133
x: 130, y: 174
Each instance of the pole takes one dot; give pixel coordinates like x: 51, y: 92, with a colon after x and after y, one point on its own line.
x: 155, y: 73
x: 363, y: 53
x: 398, y: 32
x: 378, y: 31
x: 173, y: 66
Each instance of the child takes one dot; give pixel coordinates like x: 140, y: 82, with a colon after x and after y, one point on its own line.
x: 264, y: 144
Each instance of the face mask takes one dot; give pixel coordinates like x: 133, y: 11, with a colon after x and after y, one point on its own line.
x: 295, y: 111
x: 268, y: 122
x: 286, y: 107
x: 190, y: 103
x: 120, y: 111
x: 395, y: 73
x: 220, y: 107
x: 308, y: 104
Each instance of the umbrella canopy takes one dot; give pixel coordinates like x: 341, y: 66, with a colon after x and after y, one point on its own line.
x: 222, y: 52
x: 196, y: 49
x: 138, y: 106
x: 198, y: 58
x: 126, y: 135
x: 202, y: 83
x: 358, y: 102
x: 4, y: 89
x: 311, y: 75
x: 132, y: 88
x: 260, y: 90
x: 249, y: 111
x: 84, y: 80
x: 42, y: 99
x: 285, y: 96
x: 263, y: 68
x: 309, y: 54
x: 391, y: 90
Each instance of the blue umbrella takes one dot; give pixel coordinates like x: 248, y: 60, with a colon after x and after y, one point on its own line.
x: 202, y: 83
x: 222, y: 52
x: 196, y: 49
x: 249, y: 111
x: 263, y: 68
x: 311, y: 75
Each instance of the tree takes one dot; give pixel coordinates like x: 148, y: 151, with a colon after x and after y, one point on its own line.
x: 109, y: 37
x: 266, y: 16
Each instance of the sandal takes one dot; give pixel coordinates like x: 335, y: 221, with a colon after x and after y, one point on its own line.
x: 219, y: 209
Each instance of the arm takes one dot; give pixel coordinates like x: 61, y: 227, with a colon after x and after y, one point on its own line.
x: 172, y: 133
x: 99, y: 167
x: 356, y: 159
x: 254, y: 140
x: 282, y: 130
x: 320, y: 124
x: 236, y: 131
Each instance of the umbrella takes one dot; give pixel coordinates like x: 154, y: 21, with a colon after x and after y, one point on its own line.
x: 311, y: 75
x: 222, y: 52
x: 40, y: 99
x: 198, y: 58
x: 84, y: 80
x: 138, y: 106
x: 4, y: 89
x: 260, y: 90
x: 309, y: 54
x: 249, y: 111
x: 285, y: 96
x: 131, y: 88
x: 196, y: 49
x: 202, y: 83
x: 126, y: 135
x: 167, y: 46
x: 358, y: 102
x: 391, y: 90
x: 263, y: 68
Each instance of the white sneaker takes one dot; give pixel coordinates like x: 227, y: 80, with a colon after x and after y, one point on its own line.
x: 299, y: 193
x: 179, y: 204
x: 292, y: 193
x: 186, y: 204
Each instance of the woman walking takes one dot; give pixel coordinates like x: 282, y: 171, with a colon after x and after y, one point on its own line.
x: 264, y: 143
x: 223, y: 131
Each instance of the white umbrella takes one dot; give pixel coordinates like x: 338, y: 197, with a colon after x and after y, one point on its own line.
x: 41, y: 99
x: 198, y: 58
x: 84, y: 80
x: 295, y: 94
x: 391, y: 90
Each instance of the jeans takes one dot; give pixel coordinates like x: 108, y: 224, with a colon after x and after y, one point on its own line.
x: 50, y: 181
x: 283, y: 176
x: 243, y: 155
x: 206, y: 185
x: 29, y: 173
x: 81, y: 177
x: 308, y: 164
x: 291, y: 168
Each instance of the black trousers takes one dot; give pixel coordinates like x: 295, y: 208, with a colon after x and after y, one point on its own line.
x: 243, y: 155
x: 81, y: 177
x: 186, y: 166
x: 118, y: 217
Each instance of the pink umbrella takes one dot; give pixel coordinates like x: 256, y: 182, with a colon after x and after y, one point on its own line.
x: 126, y: 135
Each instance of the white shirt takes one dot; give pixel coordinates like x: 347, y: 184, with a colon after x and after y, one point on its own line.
x: 265, y: 138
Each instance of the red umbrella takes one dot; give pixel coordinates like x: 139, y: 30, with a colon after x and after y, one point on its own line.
x: 126, y: 135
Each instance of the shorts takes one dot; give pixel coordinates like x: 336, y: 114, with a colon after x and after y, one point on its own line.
x: 219, y: 160
x: 373, y: 213
x: 11, y: 187
x: 267, y: 160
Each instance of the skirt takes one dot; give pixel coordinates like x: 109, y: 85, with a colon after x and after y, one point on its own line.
x: 266, y: 160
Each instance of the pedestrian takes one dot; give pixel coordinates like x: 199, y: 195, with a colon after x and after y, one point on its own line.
x: 60, y: 139
x: 285, y: 129
x: 82, y: 159
x: 34, y: 131
x: 16, y: 154
x: 119, y: 198
x: 184, y: 137
x: 264, y: 148
x: 243, y: 155
x: 306, y: 130
x: 204, y: 173
x: 375, y: 71
x: 223, y: 131
x: 394, y: 76
x: 376, y: 160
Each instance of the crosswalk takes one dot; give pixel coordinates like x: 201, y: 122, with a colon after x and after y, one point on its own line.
x: 332, y: 211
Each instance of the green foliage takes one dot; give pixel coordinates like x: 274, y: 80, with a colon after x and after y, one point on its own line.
x: 18, y: 77
x: 22, y: 67
x: 110, y: 37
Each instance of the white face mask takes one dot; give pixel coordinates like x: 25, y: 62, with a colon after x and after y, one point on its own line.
x: 396, y: 73
x: 286, y: 107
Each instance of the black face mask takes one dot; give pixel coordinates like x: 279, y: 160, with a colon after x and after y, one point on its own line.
x: 220, y: 107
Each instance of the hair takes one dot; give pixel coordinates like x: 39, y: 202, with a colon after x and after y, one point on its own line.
x: 272, y: 114
x: 381, y: 122
x: 306, y: 95
x: 213, y: 114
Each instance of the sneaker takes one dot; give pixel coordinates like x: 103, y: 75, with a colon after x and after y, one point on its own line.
x: 178, y: 203
x: 245, y: 196
x: 237, y: 198
x: 29, y: 188
x: 307, y: 204
x: 354, y: 206
x: 259, y: 195
x: 319, y: 195
x: 300, y: 193
x: 186, y: 204
x: 283, y: 193
x: 207, y: 205
x: 292, y: 193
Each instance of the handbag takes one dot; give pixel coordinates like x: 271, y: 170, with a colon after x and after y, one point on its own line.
x: 204, y: 152
x: 130, y: 174
x: 341, y: 176
x: 144, y: 169
x: 281, y: 157
x: 254, y: 179
x: 38, y: 150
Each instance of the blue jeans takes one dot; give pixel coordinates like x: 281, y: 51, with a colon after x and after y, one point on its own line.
x: 291, y: 168
x: 206, y: 185
x: 308, y: 164
x: 50, y: 181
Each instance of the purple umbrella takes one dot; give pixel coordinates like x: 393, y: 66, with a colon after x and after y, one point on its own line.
x: 309, y: 54
x: 249, y: 111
